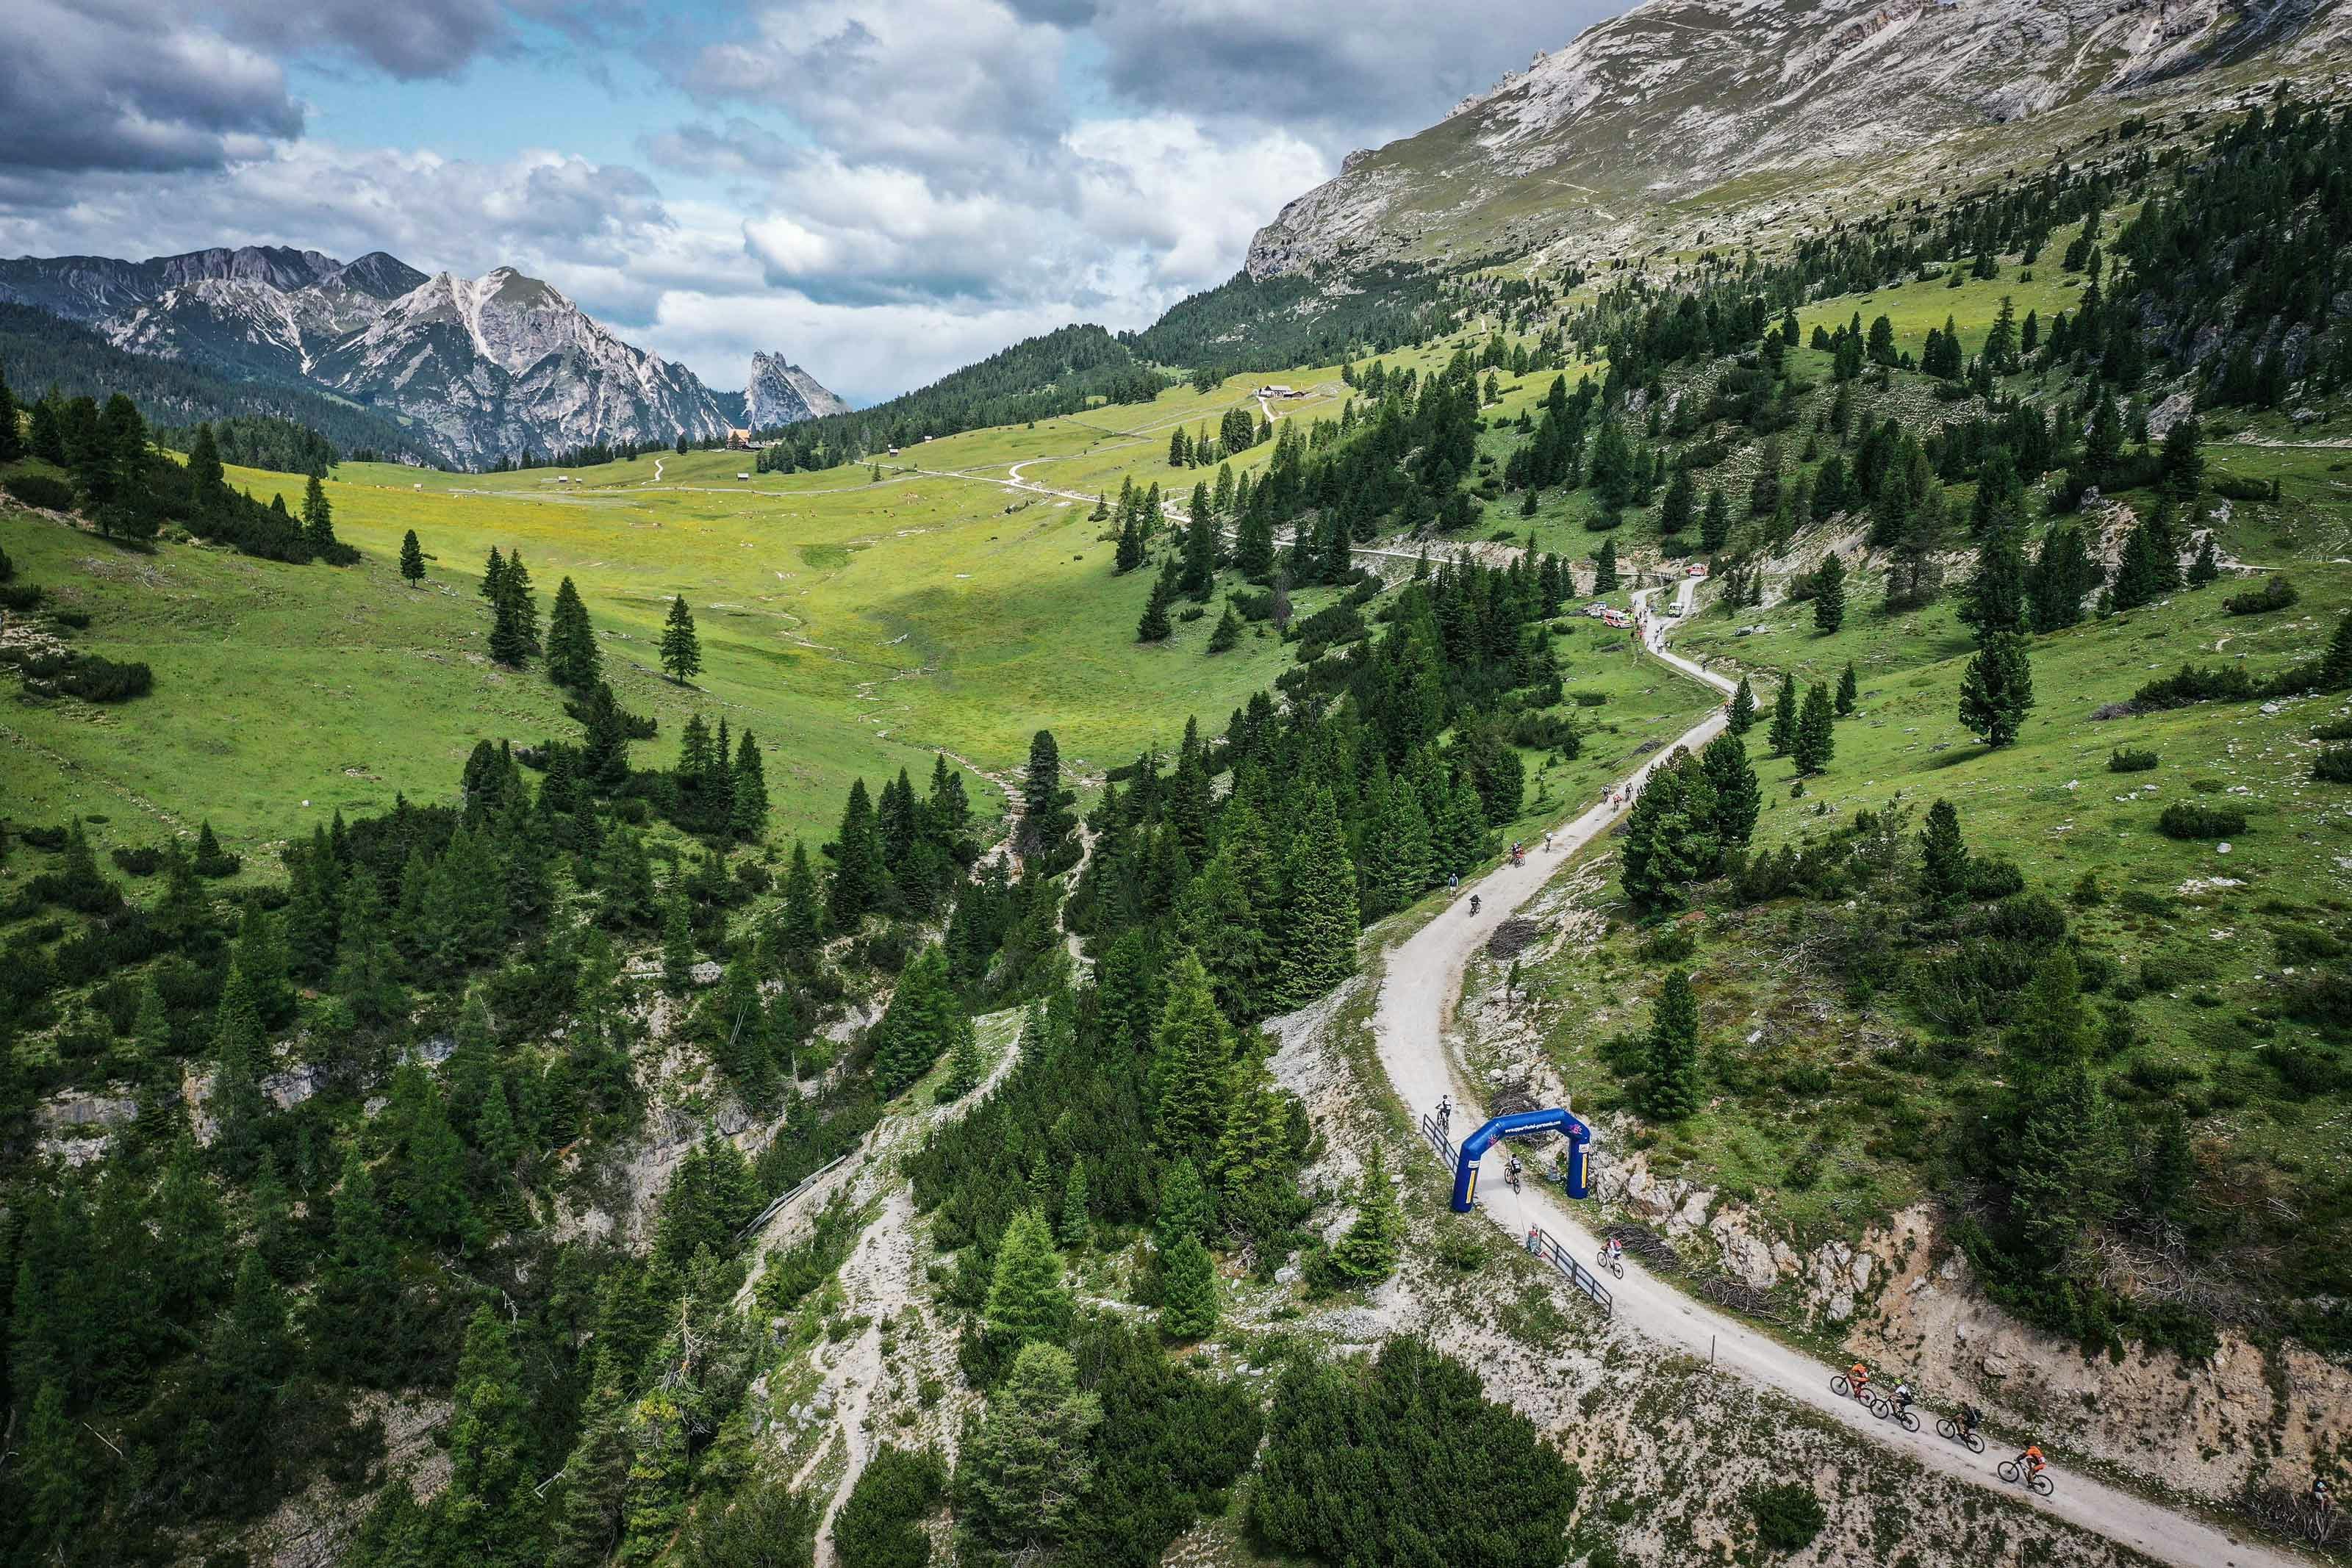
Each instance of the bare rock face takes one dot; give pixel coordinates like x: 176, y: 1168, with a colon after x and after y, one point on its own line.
x: 479, y: 369
x: 1674, y: 97
x: 780, y: 392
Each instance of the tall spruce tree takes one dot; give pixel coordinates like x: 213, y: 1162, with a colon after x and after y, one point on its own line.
x: 1671, y: 1090
x: 573, y: 659
x: 1781, y: 736
x: 1997, y: 689
x: 318, y: 518
x: 1849, y: 690
x: 1367, y: 1254
x: 411, y: 559
x: 1028, y: 1301
x: 1604, y: 568
x: 1829, y: 595
x: 1188, y: 1301
x: 1740, y: 716
x: 1320, y: 920
x: 1943, y: 857
x: 681, y: 650
x: 1816, y: 739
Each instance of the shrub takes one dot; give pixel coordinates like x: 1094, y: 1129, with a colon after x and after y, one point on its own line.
x: 84, y: 675
x: 2123, y: 759
x: 1992, y: 876
x: 2195, y: 684
x: 42, y: 490
x: 77, y: 619
x: 2334, y: 729
x: 2332, y: 765
x: 139, y: 862
x: 2276, y: 593
x: 1589, y: 699
x: 880, y: 1524
x: 1547, y: 732
x: 2186, y: 822
x: 2237, y: 489
x: 1787, y: 1517
x: 20, y: 595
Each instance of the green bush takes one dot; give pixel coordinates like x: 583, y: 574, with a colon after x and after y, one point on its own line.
x: 2185, y: 821
x: 1992, y: 876
x: 2334, y: 729
x: 41, y: 490
x: 20, y: 595
x: 2332, y: 765
x: 1787, y: 1517
x: 879, y: 1526
x: 2123, y: 759
x: 2195, y: 684
x: 2276, y: 593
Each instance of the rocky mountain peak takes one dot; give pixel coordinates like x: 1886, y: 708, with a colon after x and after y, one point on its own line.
x: 780, y: 393
x: 1677, y: 96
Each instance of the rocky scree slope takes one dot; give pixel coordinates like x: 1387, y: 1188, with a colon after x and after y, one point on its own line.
x: 1677, y: 98
x: 479, y: 369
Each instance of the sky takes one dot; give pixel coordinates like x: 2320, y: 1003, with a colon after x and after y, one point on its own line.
x: 880, y: 189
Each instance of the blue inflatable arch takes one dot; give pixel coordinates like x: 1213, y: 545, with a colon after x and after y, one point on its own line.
x: 1578, y: 1165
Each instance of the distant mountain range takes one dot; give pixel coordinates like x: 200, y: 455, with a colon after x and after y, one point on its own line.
x: 474, y: 371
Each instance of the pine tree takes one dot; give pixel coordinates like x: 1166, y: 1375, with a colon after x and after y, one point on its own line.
x: 1200, y: 572
x: 1074, y: 1226
x: 1848, y: 690
x: 1997, y: 689
x: 1738, y: 798
x: 494, y: 577
x: 1781, y: 736
x: 2184, y: 462
x: 657, y: 1474
x: 1154, y: 626
x: 859, y: 875
x: 1320, y: 920
x: 1741, y: 713
x: 1816, y: 740
x: 1128, y: 554
x: 572, y: 660
x: 595, y: 1480
x: 1027, y: 1301
x: 1367, y: 1253
x: 1672, y: 1089
x: 411, y: 559
x: 241, y: 1051
x: 1184, y: 1213
x: 1188, y: 1306
x: 2060, y: 575
x: 1714, y: 524
x: 12, y: 439
x: 489, y: 1514
x: 318, y: 518
x: 678, y: 947
x: 681, y: 650
x: 1943, y: 857
x: 1674, y: 509
x: 1997, y: 597
x: 1226, y: 633
x: 1025, y: 1475
x: 1604, y: 568
x: 1192, y: 1051
x: 746, y: 810
x: 1829, y: 595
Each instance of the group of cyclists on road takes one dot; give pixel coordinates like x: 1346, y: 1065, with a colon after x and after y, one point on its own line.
x: 2027, y: 1469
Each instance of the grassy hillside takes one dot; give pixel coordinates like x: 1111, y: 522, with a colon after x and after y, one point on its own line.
x: 853, y: 625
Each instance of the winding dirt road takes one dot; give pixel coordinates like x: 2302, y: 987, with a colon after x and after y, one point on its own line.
x: 1421, y: 983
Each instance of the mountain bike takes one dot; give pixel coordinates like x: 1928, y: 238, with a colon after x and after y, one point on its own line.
x: 2036, y: 1481
x: 1866, y: 1399
x: 1946, y: 1428
x: 1614, y: 1265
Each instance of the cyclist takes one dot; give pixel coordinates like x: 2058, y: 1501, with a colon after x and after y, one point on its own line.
x: 1616, y: 1251
x: 1857, y: 1377
x: 2032, y: 1458
x: 1970, y: 1417
x: 1512, y: 1173
x: 1902, y: 1395
x: 1473, y: 903
x: 2320, y: 1497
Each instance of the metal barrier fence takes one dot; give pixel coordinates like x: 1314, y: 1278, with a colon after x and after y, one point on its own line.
x: 1544, y: 1245
x: 1540, y: 1241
